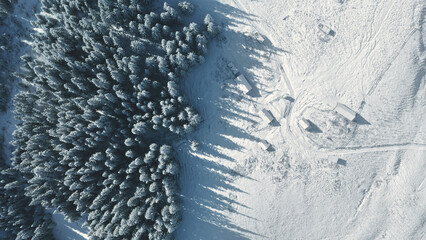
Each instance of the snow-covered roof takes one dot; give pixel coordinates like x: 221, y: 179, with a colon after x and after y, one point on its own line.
x: 345, y: 111
x: 258, y: 37
x: 341, y: 161
x: 265, y: 145
x: 304, y: 124
x: 324, y: 28
x: 267, y: 116
x: 243, y: 84
x: 233, y: 69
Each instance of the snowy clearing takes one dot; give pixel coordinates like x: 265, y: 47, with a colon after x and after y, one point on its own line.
x: 367, y: 55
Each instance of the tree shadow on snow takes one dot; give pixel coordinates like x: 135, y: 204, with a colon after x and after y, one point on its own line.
x: 207, y: 185
x: 206, y: 182
x: 205, y: 203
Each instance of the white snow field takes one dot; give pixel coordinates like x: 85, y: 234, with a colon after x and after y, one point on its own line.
x: 368, y: 55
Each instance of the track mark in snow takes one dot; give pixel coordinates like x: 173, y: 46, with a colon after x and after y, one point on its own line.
x: 421, y: 186
x: 383, y: 148
x: 395, y: 55
x: 373, y: 39
x: 287, y: 81
x: 396, y: 165
x: 381, y: 22
x: 364, y: 200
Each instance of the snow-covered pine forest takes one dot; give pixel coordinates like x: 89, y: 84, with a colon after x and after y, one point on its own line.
x: 98, y: 107
x: 19, y: 218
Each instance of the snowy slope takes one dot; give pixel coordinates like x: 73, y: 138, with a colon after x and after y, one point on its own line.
x: 373, y: 62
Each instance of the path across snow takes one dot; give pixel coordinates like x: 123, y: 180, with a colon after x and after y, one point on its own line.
x: 383, y: 148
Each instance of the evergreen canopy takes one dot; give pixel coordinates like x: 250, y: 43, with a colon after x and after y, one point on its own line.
x: 102, y: 95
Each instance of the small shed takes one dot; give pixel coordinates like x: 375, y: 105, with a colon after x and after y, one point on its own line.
x: 267, y: 116
x: 326, y: 29
x: 305, y: 124
x: 345, y: 112
x: 233, y: 69
x: 265, y: 145
x: 341, y: 162
x: 258, y: 37
x: 243, y: 84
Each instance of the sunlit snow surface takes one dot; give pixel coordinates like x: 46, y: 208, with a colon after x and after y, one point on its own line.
x: 373, y: 62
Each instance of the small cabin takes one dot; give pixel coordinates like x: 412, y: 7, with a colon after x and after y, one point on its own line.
x: 305, y: 124
x: 233, y: 69
x: 327, y: 30
x: 265, y: 145
x: 267, y: 116
x: 243, y: 84
x: 258, y: 37
x: 341, y: 162
x: 345, y: 112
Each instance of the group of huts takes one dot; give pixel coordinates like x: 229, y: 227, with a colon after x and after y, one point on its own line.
x: 267, y: 116
x: 246, y: 87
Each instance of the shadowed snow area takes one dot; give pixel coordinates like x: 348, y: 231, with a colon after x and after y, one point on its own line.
x: 341, y: 179
x: 68, y: 230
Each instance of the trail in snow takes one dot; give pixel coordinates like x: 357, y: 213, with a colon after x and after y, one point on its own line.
x: 287, y: 81
x: 395, y: 55
x: 367, y: 149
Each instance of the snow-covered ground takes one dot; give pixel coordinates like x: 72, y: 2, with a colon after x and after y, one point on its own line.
x: 65, y: 230
x: 373, y: 61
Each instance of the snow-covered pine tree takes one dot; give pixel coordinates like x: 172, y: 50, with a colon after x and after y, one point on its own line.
x: 19, y: 219
x: 186, y: 7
